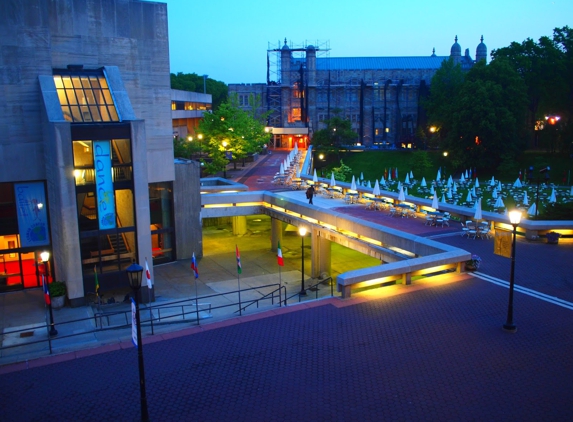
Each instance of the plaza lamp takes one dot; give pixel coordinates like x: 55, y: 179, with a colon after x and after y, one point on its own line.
x: 134, y: 273
x: 514, y: 219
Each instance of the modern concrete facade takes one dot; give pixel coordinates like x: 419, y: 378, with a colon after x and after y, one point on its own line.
x: 379, y: 95
x: 76, y: 75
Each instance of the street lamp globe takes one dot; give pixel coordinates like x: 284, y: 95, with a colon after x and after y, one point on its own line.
x: 514, y: 217
x: 134, y: 272
x: 302, y: 231
x: 45, y: 256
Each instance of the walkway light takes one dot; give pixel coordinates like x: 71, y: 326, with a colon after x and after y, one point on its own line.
x: 514, y: 219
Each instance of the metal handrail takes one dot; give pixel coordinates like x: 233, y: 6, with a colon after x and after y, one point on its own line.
x: 313, y: 288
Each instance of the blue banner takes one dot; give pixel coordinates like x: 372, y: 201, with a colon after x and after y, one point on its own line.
x: 32, y: 214
x: 104, y: 185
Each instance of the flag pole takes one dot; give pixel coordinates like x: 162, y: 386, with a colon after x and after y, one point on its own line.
x: 239, y: 282
x: 196, y: 301
x: 281, y: 288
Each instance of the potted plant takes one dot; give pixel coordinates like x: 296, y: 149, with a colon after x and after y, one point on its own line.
x: 474, y: 263
x: 553, y: 237
x: 57, y: 293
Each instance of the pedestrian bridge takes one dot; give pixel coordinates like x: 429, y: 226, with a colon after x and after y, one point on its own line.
x: 403, y: 255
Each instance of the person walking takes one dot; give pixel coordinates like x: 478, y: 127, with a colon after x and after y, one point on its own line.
x: 310, y: 194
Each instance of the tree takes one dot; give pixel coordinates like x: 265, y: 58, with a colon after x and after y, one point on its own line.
x: 338, y: 132
x: 194, y: 83
x: 230, y: 130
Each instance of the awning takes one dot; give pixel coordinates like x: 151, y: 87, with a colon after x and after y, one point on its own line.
x: 290, y: 131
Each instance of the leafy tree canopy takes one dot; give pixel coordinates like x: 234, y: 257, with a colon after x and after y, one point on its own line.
x: 338, y: 132
x: 194, y: 83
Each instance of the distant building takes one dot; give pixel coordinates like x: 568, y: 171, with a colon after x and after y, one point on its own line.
x: 187, y: 110
x: 379, y: 95
x: 86, y: 154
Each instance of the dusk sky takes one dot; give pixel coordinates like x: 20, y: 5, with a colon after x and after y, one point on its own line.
x: 228, y: 39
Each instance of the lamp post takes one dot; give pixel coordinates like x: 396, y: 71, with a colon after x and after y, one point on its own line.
x: 514, y: 219
x: 45, y: 256
x: 302, y: 232
x: 224, y: 143
x: 200, y: 137
x: 134, y: 272
x: 205, y: 83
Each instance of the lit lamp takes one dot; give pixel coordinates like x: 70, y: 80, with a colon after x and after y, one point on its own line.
x: 134, y: 272
x: 514, y: 219
x: 302, y: 232
x: 200, y: 137
x: 45, y: 256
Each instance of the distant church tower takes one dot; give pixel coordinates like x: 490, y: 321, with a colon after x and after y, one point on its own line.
x: 481, y: 51
x: 456, y: 52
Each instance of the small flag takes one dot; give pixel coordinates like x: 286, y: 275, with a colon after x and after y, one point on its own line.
x: 280, y: 256
x: 96, y: 280
x: 239, y: 268
x: 148, y: 275
x: 46, y: 291
x: 194, y: 266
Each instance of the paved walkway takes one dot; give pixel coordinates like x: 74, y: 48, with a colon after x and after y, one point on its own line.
x: 431, y: 351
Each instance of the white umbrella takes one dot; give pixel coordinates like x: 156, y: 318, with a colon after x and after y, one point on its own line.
x: 382, y: 181
x: 474, y: 191
x: 553, y: 197
x: 439, y: 175
x: 449, y: 194
x: 424, y: 184
x: 401, y: 195
x: 532, y: 209
x: 499, y: 203
x: 369, y: 185
x: 406, y: 190
x: 469, y: 197
x: 432, y: 190
x: 353, y: 184
x: 494, y: 193
x: 492, y: 181
x: 361, y: 176
x: 478, y: 215
x: 399, y: 185
x: 443, y: 200
x: 450, y: 181
x: 407, y: 179
x: 435, y: 202
x: 315, y: 177
x: 499, y: 187
x: 466, y: 174
x: 476, y: 185
x: 298, y: 173
x: 376, y: 190
x: 455, y: 188
x: 411, y: 174
x: 389, y: 176
x: 462, y: 179
x: 282, y: 169
x: 332, y: 180
x: 525, y: 198
x: 517, y: 183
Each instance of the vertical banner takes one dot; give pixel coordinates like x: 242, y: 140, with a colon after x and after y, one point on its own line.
x: 32, y: 214
x: 104, y: 185
x: 502, y: 243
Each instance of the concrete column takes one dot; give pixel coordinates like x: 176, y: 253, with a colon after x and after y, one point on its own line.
x: 320, y: 255
x: 239, y: 225
x: 276, y: 233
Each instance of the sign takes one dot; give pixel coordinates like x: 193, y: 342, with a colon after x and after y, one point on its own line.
x: 104, y: 185
x: 133, y: 323
x: 502, y: 243
x: 32, y: 214
x: 228, y: 155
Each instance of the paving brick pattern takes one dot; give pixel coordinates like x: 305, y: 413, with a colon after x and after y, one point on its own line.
x: 433, y: 354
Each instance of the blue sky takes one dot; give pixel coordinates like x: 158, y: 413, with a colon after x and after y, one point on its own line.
x: 228, y: 39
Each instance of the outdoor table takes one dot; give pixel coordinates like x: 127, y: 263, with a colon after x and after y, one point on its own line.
x: 353, y: 195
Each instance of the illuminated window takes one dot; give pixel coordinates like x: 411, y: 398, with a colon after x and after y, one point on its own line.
x: 85, y: 96
x: 295, y: 115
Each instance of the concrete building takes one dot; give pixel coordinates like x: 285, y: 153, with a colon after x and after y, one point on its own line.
x: 379, y: 95
x: 187, y: 110
x: 87, y: 170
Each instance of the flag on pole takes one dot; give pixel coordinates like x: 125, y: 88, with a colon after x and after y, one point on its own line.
x: 280, y: 256
x: 148, y: 275
x: 96, y: 280
x: 46, y: 291
x: 194, y: 266
x: 239, y: 268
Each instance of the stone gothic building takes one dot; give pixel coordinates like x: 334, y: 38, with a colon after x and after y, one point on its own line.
x: 379, y: 95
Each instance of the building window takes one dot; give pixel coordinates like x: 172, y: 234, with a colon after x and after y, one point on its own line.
x: 85, y: 97
x: 161, y: 218
x: 295, y: 116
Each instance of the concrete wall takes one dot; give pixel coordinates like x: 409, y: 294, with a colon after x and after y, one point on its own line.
x: 37, y: 36
x: 187, y: 204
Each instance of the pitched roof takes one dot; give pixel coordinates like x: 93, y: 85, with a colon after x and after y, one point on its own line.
x: 379, y: 63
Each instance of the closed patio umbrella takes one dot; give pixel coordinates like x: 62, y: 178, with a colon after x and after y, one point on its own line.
x: 332, y: 180
x: 435, y: 202
x: 411, y: 174
x: 315, y: 177
x: 499, y: 203
x: 382, y: 181
x: 492, y: 181
x: 376, y: 190
x: 439, y: 175
x: 532, y: 209
x: 353, y: 183
x: 525, y: 199
x: 517, y: 183
x: 282, y: 169
x: 478, y: 214
x: 432, y: 190
x: 407, y: 179
x: 476, y: 185
x: 462, y: 179
x: 469, y: 196
x: 369, y: 185
x: 494, y: 193
x: 499, y: 187
x: 449, y: 194
x: 553, y: 197
x: 361, y: 176
x: 423, y: 184
x: 443, y: 200
x: 401, y: 195
x: 455, y: 188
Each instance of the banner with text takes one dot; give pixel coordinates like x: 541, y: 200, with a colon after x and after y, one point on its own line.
x: 32, y: 214
x: 104, y: 185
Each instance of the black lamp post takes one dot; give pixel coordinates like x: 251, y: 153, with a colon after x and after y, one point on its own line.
x: 45, y: 259
x: 302, y: 232
x: 514, y: 219
x: 134, y: 272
